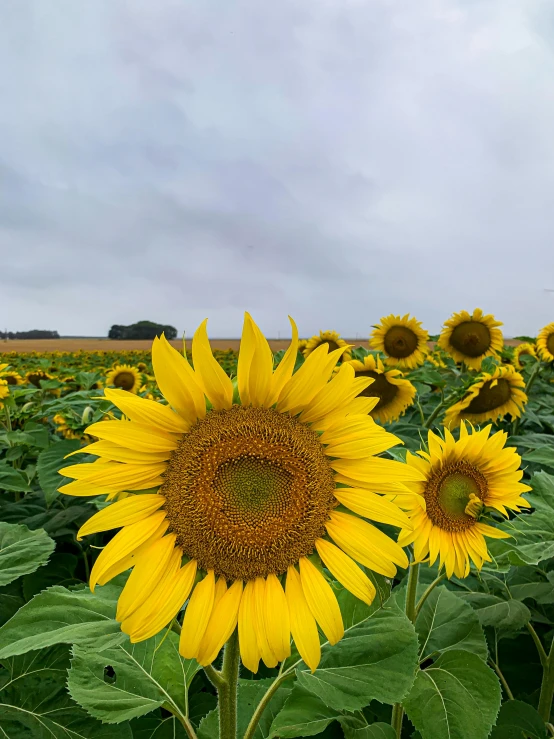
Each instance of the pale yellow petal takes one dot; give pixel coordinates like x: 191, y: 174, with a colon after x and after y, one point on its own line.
x: 373, y: 506
x: 321, y: 600
x: 197, y: 615
x: 178, y: 382
x: 107, y: 450
x: 123, y: 513
x: 346, y: 571
x: 255, y: 365
x: 216, y: 384
x: 302, y: 623
x: 223, y: 622
x: 134, y: 435
x: 267, y: 655
x: 285, y: 368
x: 147, y: 412
x: 277, y: 619
x: 248, y: 643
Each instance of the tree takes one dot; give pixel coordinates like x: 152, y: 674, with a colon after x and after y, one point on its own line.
x: 142, y: 330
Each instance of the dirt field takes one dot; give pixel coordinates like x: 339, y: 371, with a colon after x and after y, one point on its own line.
x: 90, y: 345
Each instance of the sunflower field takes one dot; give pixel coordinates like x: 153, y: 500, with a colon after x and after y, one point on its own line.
x: 331, y: 540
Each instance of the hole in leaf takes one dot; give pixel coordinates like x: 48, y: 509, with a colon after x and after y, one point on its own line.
x: 109, y: 674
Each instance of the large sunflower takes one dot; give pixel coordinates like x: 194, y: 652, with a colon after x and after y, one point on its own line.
x: 463, y: 479
x: 490, y: 398
x: 523, y: 350
x: 331, y: 339
x: 402, y: 340
x: 270, y: 473
x: 470, y: 337
x: 545, y: 343
x: 392, y: 392
x: 125, y: 377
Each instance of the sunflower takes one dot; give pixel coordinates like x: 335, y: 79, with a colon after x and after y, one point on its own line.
x: 471, y: 337
x: 402, y: 340
x: 333, y: 342
x: 302, y: 344
x: 35, y: 376
x: 525, y: 350
x: 125, y: 377
x: 275, y: 471
x: 545, y: 343
x: 464, y: 480
x: 490, y: 398
x: 4, y: 390
x: 393, y: 393
x: 11, y: 376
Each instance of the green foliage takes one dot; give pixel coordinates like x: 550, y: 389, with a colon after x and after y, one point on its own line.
x: 22, y: 551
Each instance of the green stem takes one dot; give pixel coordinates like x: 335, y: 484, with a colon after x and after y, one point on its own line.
x: 227, y: 690
x: 8, y: 418
x: 428, y: 592
x: 411, y: 595
x: 444, y: 402
x: 547, y: 687
x: 188, y: 727
x: 540, y: 649
x: 532, y: 377
x: 214, y: 676
x: 505, y: 685
x: 262, y: 705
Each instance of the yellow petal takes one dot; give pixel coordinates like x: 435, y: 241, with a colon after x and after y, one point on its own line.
x: 268, y: 657
x: 147, y: 412
x: 377, y: 472
x: 255, y: 365
x: 123, y: 513
x: 109, y: 451
x: 277, y: 619
x: 147, y: 572
x: 178, y: 382
x: 321, y: 601
x: 197, y: 615
x: 490, y: 531
x: 302, y: 624
x: 115, y: 476
x: 223, y: 622
x: 249, y: 650
x: 285, y: 368
x: 342, y: 389
x: 217, y: 386
x: 372, y: 506
x: 163, y: 605
x: 134, y: 435
x: 346, y: 571
x: 125, y: 542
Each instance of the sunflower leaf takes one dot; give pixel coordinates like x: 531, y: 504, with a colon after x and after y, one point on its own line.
x: 456, y: 697
x: 376, y: 659
x: 50, y: 461
x: 516, y: 720
x: 304, y: 714
x: 22, y: 551
x: 504, y: 615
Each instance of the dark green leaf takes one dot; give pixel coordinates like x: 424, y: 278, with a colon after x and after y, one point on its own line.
x: 518, y: 720
x: 303, y: 714
x: 50, y: 461
x: 13, y: 481
x: 355, y: 728
x: 22, y: 551
x: 505, y: 615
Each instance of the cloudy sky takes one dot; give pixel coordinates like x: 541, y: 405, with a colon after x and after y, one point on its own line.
x: 336, y: 160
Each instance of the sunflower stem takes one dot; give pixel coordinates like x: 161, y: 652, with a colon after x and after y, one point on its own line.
x: 547, y: 687
x: 411, y: 613
x: 444, y: 402
x: 428, y: 592
x: 262, y: 705
x: 502, y: 679
x: 227, y: 690
x: 532, y: 377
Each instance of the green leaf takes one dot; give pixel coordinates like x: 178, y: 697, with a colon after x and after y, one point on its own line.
x: 376, y: 659
x: 446, y: 622
x: 303, y: 714
x: 543, y: 456
x: 158, y: 727
x: 13, y: 481
x: 34, y: 703
x: 456, y: 698
x: 58, y: 571
x: 60, y: 616
x: 504, y: 615
x: 355, y: 728
x: 518, y: 720
x: 50, y: 461
x: 22, y: 551
x: 143, y: 677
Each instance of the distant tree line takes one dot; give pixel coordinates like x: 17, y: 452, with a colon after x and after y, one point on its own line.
x: 34, y: 334
x: 142, y: 330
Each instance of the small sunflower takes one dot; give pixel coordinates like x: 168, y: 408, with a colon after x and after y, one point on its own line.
x: 523, y: 350
x: 302, y: 344
x: 463, y: 479
x: 402, y: 340
x: 492, y: 397
x: 277, y: 469
x: 545, y: 343
x: 125, y: 377
x: 392, y: 392
x: 11, y: 377
x: 470, y: 337
x: 35, y: 376
x: 4, y: 390
x: 331, y: 339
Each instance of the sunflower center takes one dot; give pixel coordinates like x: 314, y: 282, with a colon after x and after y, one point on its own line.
x: 248, y: 491
x: 380, y: 388
x: 471, y: 338
x: 550, y: 343
x: 454, y: 496
x: 331, y: 344
x: 400, y: 342
x: 10, y: 379
x: 124, y: 380
x: 490, y: 398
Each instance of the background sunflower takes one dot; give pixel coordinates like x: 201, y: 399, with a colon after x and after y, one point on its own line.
x: 470, y: 337
x: 402, y: 340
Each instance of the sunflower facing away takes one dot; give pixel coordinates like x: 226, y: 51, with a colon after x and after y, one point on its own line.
x: 523, y: 350
x: 545, y: 343
x: 255, y: 480
x: 402, y: 340
x: 463, y: 479
x: 331, y: 339
x: 470, y: 337
x: 125, y: 377
x: 492, y: 397
x: 392, y: 393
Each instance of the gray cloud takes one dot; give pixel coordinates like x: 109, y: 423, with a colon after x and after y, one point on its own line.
x: 336, y: 161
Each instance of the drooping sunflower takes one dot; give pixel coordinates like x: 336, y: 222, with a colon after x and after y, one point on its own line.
x: 277, y: 469
x: 125, y: 377
x: 11, y: 376
x: 470, y: 337
x: 34, y: 377
x: 545, y: 343
x: 492, y: 397
x: 402, y: 340
x: 333, y: 341
x: 463, y: 479
x: 523, y: 350
x: 392, y: 392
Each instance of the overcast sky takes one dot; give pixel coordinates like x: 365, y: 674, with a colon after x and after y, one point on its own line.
x: 337, y: 160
